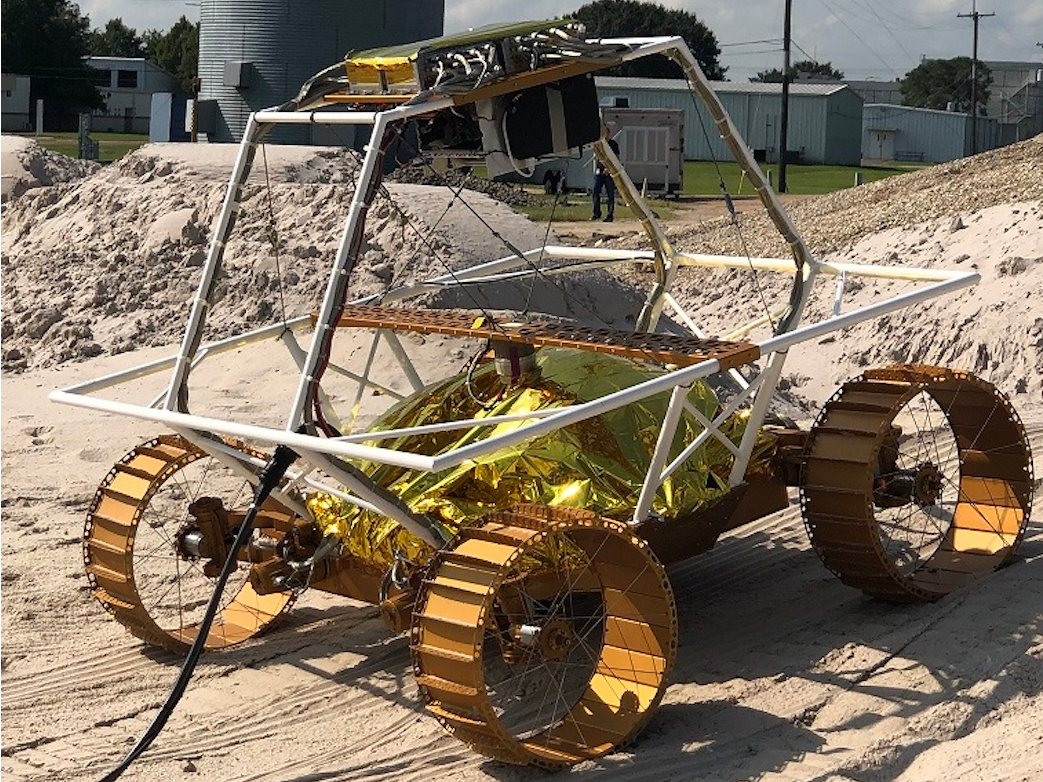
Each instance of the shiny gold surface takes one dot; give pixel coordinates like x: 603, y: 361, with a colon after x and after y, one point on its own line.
x: 598, y: 464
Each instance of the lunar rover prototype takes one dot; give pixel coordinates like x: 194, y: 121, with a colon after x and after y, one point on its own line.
x: 514, y: 515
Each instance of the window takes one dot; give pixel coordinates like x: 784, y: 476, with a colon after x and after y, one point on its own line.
x: 127, y: 79
x: 101, y: 78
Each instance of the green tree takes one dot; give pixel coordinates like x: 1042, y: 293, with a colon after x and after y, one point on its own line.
x: 116, y: 40
x: 934, y: 84
x: 176, y: 51
x: 47, y: 41
x: 628, y: 18
x: 805, y: 69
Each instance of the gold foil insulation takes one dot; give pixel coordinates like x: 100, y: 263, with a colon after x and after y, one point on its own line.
x: 598, y: 464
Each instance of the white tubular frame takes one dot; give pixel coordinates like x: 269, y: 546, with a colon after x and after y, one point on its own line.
x: 323, y: 454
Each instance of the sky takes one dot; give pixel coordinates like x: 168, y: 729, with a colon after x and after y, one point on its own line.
x: 865, y: 39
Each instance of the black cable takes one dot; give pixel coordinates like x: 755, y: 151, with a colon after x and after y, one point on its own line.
x: 546, y: 236
x: 267, y: 480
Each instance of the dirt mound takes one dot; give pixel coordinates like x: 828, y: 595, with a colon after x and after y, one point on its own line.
x: 110, y: 263
x: 831, y: 222
x: 27, y: 165
x: 994, y: 328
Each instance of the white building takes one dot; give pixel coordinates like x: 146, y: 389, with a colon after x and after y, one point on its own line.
x: 127, y: 84
x: 16, y: 108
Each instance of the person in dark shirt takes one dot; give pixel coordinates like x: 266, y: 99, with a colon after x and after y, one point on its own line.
x: 603, y: 181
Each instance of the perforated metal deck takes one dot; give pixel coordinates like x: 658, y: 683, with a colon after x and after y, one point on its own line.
x: 664, y: 348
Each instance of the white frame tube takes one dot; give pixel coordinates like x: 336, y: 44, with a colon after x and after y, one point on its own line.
x: 320, y: 451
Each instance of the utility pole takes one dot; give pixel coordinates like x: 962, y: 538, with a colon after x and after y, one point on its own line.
x: 784, y: 119
x: 974, y: 73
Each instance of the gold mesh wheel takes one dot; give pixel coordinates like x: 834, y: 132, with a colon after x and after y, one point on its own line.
x: 544, y: 635
x: 916, y: 480
x: 131, y: 552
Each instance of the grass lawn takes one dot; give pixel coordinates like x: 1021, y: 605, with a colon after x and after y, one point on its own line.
x: 577, y: 206
x: 111, y: 146
x: 701, y: 177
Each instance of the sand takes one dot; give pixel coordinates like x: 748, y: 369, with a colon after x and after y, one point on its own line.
x: 783, y: 673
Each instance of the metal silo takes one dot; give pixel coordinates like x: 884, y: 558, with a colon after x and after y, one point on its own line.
x: 256, y: 53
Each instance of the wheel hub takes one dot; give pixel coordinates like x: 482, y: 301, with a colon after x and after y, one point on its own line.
x: 927, y: 486
x: 922, y: 485
x: 552, y: 640
x: 555, y: 639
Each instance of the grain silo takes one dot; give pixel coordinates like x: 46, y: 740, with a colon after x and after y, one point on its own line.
x: 257, y: 53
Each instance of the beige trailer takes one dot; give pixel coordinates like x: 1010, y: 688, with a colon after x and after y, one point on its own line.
x: 651, y: 146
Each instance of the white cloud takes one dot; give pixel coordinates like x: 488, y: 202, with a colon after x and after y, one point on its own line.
x: 140, y: 15
x: 878, y: 38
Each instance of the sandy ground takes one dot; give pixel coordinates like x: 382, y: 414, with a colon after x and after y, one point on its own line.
x: 783, y: 673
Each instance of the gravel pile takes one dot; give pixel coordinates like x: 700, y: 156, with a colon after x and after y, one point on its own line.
x: 501, y: 191
x: 830, y: 222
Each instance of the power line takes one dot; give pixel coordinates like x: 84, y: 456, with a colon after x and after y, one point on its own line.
x: 861, y: 40
x: 784, y: 118
x: 976, y: 16
x: 889, y: 30
x: 803, y: 51
x: 750, y: 43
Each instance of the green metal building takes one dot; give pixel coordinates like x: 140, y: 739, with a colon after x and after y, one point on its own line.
x: 825, y: 120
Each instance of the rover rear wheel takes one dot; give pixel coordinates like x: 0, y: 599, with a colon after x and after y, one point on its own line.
x: 916, y: 480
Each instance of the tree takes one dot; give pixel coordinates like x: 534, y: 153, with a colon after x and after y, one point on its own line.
x: 47, y: 41
x: 628, y: 18
x: 176, y: 51
x: 116, y: 40
x: 805, y: 69
x: 934, y: 84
